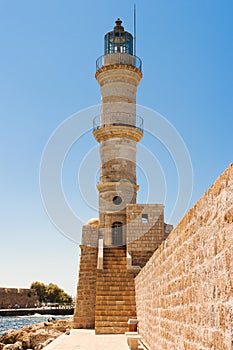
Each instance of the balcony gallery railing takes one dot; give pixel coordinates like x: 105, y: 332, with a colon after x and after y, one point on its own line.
x: 118, y: 119
x: 119, y: 58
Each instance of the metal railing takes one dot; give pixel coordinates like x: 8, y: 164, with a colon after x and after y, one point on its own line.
x: 118, y: 58
x: 118, y: 119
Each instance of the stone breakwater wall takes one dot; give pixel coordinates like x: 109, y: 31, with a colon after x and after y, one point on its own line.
x: 184, y: 294
x: 34, y: 337
x: 24, y: 297
x: 32, y: 311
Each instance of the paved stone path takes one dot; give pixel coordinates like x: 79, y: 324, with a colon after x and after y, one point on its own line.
x: 83, y: 339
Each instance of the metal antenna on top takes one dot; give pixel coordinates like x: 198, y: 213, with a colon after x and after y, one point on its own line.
x: 134, y: 34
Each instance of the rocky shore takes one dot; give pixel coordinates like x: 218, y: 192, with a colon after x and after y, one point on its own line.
x: 35, y: 336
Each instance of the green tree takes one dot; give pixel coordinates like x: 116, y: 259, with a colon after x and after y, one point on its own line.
x: 57, y: 295
x: 40, y: 290
x: 51, y: 293
x: 66, y: 299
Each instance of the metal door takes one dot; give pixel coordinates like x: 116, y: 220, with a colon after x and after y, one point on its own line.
x: 117, y: 234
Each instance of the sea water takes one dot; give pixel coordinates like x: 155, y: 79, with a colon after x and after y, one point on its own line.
x: 11, y: 322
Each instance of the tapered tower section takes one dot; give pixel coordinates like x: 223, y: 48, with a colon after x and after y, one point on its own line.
x: 117, y: 129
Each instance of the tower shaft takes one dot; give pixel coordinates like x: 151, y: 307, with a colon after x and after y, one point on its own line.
x: 118, y: 130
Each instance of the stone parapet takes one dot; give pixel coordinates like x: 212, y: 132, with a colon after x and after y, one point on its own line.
x: 145, y: 231
x: 90, y: 235
x: 184, y: 294
x: 84, y: 315
x: 107, y: 132
x: 145, y: 226
x: 105, y: 73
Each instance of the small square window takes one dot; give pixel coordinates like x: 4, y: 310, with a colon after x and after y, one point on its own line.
x: 145, y: 219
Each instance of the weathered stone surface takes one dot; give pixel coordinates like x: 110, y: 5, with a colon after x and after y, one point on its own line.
x: 8, y: 347
x: 90, y: 235
x: 144, y: 236
x: 47, y: 342
x: 34, y: 336
x: 23, y: 296
x: 184, y: 294
x: 15, y: 346
x: 61, y: 326
x: 25, y: 339
x: 38, y: 347
x: 84, y: 315
x: 9, y: 336
x: 40, y: 336
x: 115, y: 294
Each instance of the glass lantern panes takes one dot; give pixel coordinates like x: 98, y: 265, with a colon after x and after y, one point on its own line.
x: 118, y: 42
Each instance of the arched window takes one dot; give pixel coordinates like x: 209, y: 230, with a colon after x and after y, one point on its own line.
x: 117, y: 238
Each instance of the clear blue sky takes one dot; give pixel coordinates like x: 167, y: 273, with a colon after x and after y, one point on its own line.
x: 47, y: 66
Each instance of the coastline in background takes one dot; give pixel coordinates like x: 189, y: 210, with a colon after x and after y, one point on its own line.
x: 42, y: 311
x: 18, y: 322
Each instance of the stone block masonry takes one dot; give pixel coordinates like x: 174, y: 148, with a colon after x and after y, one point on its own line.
x: 84, y: 316
x: 24, y: 297
x: 145, y: 231
x: 184, y: 294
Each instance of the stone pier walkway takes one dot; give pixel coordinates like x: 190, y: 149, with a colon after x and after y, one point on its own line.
x: 83, y: 339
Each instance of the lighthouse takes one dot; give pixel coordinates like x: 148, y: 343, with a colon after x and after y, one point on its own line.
x: 118, y: 244
x: 117, y: 129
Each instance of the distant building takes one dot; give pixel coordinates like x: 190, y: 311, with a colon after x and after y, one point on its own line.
x: 14, y: 297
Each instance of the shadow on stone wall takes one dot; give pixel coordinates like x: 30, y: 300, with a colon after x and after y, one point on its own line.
x: 184, y: 293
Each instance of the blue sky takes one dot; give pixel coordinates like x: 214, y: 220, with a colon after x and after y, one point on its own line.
x: 47, y: 67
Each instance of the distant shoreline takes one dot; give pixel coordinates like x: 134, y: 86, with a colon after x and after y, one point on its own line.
x: 41, y: 311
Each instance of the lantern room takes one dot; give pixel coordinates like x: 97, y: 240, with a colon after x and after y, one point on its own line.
x: 118, y: 40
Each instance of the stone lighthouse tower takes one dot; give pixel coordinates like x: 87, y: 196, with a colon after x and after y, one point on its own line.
x: 115, y: 246
x: 118, y: 130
